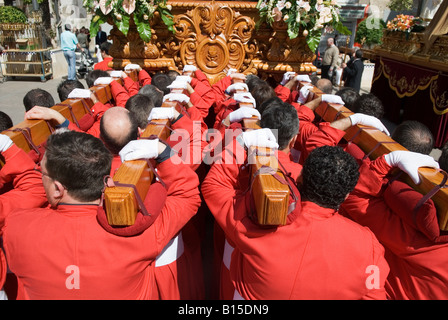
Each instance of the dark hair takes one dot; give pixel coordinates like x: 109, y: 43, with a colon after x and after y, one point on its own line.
x: 325, y: 85
x: 5, y: 121
x: 140, y: 105
x: 95, y: 74
x: 358, y: 53
x: 161, y: 81
x: 329, y: 174
x: 252, y: 80
x: 443, y: 159
x: 262, y: 92
x: 153, y: 93
x: 116, y: 144
x: 414, y: 136
x: 79, y: 161
x: 105, y: 47
x: 282, y: 117
x: 172, y: 74
x: 349, y: 96
x: 38, y: 97
x: 369, y: 104
x: 67, y: 86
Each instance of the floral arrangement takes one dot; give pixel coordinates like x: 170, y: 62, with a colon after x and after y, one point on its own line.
x: 121, y: 11
x: 307, y: 18
x: 405, y: 23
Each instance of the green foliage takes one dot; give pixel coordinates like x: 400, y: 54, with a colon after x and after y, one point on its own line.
x: 10, y: 14
x: 400, y: 5
x: 370, y: 31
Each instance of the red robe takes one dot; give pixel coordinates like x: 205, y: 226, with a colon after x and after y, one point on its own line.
x: 68, y: 247
x: 301, y: 260
x: 103, y: 65
x: 417, y: 262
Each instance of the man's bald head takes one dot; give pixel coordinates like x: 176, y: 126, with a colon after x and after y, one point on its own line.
x: 325, y: 85
x: 118, y: 127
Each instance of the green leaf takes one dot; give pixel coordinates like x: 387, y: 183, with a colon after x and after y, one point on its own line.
x: 143, y: 28
x: 123, y: 24
x: 95, y: 24
x: 313, y: 39
x: 339, y: 27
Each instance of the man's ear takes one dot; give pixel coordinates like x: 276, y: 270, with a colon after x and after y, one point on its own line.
x: 292, y: 142
x: 59, y: 190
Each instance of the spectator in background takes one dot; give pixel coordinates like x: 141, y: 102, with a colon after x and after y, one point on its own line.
x: 69, y: 43
x: 352, y: 73
x: 100, y: 37
x: 105, y: 57
x: 83, y: 40
x: 37, y: 97
x: 329, y: 60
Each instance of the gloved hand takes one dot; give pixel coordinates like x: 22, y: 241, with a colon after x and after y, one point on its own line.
x: 115, y: 73
x: 259, y: 138
x: 103, y: 80
x: 78, y: 93
x: 409, y: 162
x: 161, y: 113
x: 243, y: 113
x: 140, y: 149
x: 189, y: 68
x: 231, y: 70
x: 303, y: 94
x: 179, y: 97
x: 303, y: 78
x: 332, y: 98
x: 245, y: 97
x: 132, y: 66
x: 183, y: 79
x: 177, y: 84
x: 5, y: 142
x: 236, y: 86
x: 286, y: 77
x: 366, y: 120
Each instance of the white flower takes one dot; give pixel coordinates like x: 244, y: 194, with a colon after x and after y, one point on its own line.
x: 288, y: 5
x: 298, y: 17
x: 169, y: 7
x: 286, y: 17
x: 325, y: 15
x: 280, y: 4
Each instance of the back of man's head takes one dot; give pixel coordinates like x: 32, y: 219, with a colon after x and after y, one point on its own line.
x: 172, y: 74
x: 95, y: 74
x: 252, y: 81
x: 67, y: 86
x: 161, y: 81
x: 358, y: 54
x: 369, y: 104
x: 38, y: 97
x: 140, y: 105
x: 79, y: 161
x: 262, y: 92
x: 349, y: 96
x: 118, y: 127
x: 5, y: 121
x: 153, y: 93
x: 281, y: 117
x: 414, y: 136
x: 329, y: 174
x: 105, y: 47
x: 325, y: 85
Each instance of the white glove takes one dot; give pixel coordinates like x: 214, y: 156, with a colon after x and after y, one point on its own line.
x: 304, y: 92
x: 332, y: 98
x: 140, y: 149
x: 5, y: 142
x: 183, y: 79
x: 177, y: 84
x: 131, y: 66
x: 409, y: 162
x: 366, y: 120
x: 115, y: 73
x: 243, y: 113
x: 286, y: 77
x: 244, y: 97
x: 103, y: 80
x: 231, y: 71
x: 179, y: 97
x: 189, y: 68
x: 237, y: 86
x: 79, y: 93
x: 161, y: 113
x: 303, y: 78
x: 259, y: 138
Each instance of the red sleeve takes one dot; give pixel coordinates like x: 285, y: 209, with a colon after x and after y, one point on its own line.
x: 28, y: 190
x: 200, y: 76
x: 144, y: 78
x: 119, y: 94
x: 282, y: 92
x: 131, y: 86
x: 220, y: 87
x: 325, y: 136
x: 182, y: 201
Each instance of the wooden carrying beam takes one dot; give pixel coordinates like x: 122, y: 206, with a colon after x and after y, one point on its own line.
x: 376, y: 143
x: 271, y: 197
